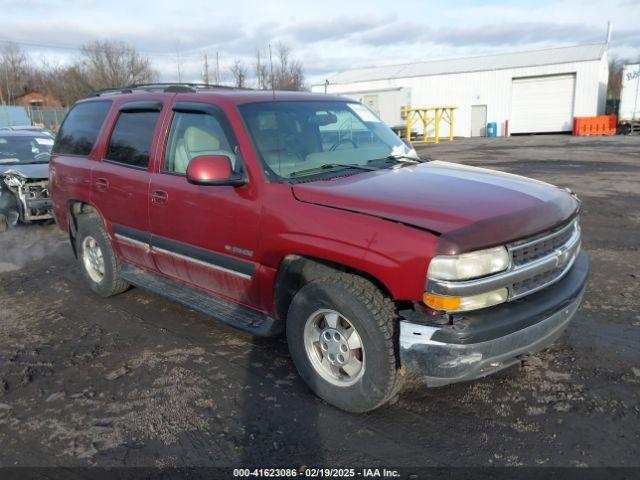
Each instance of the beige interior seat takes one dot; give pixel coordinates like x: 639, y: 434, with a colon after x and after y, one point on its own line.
x: 197, y: 142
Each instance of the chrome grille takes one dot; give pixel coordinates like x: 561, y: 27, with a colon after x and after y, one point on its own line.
x: 519, y: 289
x: 563, y: 244
x: 532, y: 250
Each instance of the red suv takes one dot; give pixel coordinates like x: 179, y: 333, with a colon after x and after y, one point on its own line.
x: 302, y: 213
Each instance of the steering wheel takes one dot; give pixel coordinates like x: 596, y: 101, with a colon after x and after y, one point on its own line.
x: 42, y: 156
x: 339, y: 142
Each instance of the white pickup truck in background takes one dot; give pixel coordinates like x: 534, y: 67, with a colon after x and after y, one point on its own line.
x: 629, y: 110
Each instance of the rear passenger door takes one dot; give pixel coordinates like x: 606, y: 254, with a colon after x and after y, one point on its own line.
x: 120, y: 181
x: 204, y: 235
x: 72, y: 158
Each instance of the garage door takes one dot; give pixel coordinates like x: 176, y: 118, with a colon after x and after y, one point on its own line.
x: 542, y: 104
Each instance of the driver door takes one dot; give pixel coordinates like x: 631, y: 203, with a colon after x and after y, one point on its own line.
x: 203, y: 235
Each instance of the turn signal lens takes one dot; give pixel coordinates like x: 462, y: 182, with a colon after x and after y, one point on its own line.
x: 463, y: 304
x: 437, y: 302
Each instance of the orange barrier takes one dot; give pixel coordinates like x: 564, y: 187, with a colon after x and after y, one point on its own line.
x: 595, y: 126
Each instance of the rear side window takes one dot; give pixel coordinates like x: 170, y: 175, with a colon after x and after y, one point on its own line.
x: 131, y: 140
x: 80, y: 128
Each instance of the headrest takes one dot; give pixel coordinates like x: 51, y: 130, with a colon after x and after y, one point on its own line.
x: 198, y: 140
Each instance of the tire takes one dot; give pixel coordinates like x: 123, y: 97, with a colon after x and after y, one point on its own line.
x: 624, y: 129
x: 358, y: 303
x: 90, y: 230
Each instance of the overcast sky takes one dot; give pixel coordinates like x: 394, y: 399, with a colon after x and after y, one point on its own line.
x: 326, y: 35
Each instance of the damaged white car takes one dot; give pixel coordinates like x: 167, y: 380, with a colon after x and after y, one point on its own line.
x: 24, y: 172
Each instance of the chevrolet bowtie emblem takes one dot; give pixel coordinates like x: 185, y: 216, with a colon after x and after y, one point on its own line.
x: 562, y: 257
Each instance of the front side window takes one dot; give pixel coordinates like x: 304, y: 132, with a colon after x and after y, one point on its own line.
x: 131, y: 139
x: 194, y: 134
x: 80, y: 128
x: 300, y: 138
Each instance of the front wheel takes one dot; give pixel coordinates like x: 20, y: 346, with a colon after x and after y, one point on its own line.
x: 342, y: 337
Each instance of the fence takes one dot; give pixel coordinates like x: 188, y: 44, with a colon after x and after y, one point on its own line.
x: 48, y: 117
x: 10, y: 116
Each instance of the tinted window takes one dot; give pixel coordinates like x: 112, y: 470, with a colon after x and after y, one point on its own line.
x: 130, y: 142
x: 301, y: 138
x: 80, y: 128
x: 195, y: 134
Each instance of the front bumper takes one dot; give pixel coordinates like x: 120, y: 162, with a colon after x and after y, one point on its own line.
x: 483, y: 342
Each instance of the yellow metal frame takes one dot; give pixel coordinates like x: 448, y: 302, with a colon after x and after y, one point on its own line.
x: 429, y: 116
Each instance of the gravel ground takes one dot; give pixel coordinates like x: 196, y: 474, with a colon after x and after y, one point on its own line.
x: 137, y: 380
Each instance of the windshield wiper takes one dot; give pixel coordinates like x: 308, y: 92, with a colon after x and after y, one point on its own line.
x: 398, y: 158
x: 332, y: 165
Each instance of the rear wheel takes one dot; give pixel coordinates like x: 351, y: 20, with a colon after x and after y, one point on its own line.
x: 342, y: 337
x: 98, y: 261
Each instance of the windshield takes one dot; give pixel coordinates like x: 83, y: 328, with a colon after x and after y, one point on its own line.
x: 25, y: 149
x: 297, y: 139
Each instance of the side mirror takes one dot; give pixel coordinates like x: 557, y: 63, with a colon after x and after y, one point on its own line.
x: 407, y: 142
x: 213, y: 170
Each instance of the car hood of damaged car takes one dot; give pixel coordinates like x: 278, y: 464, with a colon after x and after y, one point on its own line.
x: 31, y: 171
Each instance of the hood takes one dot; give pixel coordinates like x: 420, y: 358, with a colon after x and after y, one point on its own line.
x: 468, y: 207
x: 32, y: 171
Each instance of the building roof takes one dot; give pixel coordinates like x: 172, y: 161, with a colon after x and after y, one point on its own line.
x: 549, y: 56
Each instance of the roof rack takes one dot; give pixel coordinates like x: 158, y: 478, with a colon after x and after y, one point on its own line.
x: 162, y: 87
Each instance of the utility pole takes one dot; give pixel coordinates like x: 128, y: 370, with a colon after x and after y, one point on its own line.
x: 179, y: 62
x: 205, y: 73
x: 217, y: 69
x: 6, y: 76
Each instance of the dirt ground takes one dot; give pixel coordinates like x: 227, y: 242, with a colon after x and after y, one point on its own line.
x: 137, y: 380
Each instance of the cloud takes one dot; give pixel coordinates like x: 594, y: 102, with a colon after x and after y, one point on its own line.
x: 159, y: 38
x: 336, y: 28
x: 408, y: 32
x: 329, y: 36
x: 517, y: 34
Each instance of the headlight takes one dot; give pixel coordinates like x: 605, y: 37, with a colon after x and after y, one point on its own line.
x: 13, y: 180
x: 469, y: 265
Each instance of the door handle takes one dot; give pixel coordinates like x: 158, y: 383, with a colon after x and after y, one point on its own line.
x: 102, y: 184
x: 159, y: 197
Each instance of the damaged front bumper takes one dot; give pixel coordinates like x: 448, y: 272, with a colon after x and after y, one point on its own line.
x: 24, y: 199
x: 480, y: 343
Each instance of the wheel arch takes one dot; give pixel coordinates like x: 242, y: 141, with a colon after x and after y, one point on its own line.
x: 295, y: 271
x: 75, y: 208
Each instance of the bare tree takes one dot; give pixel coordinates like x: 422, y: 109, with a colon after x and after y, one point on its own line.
x: 615, y: 78
x: 261, y: 71
x: 288, y: 74
x: 68, y: 84
x: 113, y: 64
x: 239, y: 73
x: 15, y: 72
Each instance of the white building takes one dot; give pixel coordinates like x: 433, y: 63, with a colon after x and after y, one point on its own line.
x: 535, y: 91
